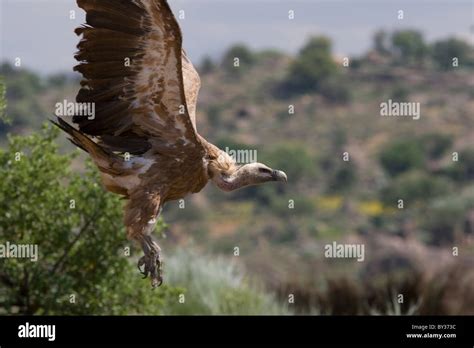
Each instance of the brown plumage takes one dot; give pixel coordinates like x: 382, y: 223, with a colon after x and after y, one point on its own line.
x: 145, y: 90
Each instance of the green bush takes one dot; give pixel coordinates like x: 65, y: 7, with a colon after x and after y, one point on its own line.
x: 336, y: 90
x: 400, y: 93
x: 446, y: 215
x: 409, y: 45
x: 343, y: 178
x: 207, y: 66
x: 443, y: 52
x: 246, y: 59
x: 313, y: 67
x: 302, y: 164
x: 81, y: 243
x: 415, y: 186
x: 23, y: 88
x: 402, y: 156
x: 436, y: 144
x: 463, y: 169
x: 381, y: 42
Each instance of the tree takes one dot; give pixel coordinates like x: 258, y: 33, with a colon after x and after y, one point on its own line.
x: 436, y: 144
x: 381, y: 44
x: 402, y: 156
x: 410, y: 46
x: 444, y: 51
x: 462, y: 170
x: 82, y: 265
x: 415, y: 186
x: 207, y: 66
x: 313, y: 66
x: 238, y: 59
x: 24, y: 87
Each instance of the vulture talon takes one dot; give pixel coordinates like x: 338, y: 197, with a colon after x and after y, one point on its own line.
x: 151, y: 262
x: 141, y: 263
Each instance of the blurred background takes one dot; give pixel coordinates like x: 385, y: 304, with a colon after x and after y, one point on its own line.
x: 307, y: 92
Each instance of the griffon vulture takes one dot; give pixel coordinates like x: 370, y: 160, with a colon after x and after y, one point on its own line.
x: 144, y: 89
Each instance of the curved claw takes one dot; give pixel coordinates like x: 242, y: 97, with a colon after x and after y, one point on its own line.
x: 142, y: 262
x: 151, y: 262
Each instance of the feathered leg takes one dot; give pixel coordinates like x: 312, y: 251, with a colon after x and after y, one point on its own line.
x: 151, y: 261
x: 140, y: 218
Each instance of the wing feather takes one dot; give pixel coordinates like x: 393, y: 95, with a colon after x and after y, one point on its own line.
x: 192, y: 84
x: 143, y: 85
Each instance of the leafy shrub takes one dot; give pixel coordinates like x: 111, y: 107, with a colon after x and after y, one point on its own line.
x: 311, y: 69
x: 415, y: 186
x: 463, y: 169
x: 444, y: 51
x: 409, y: 45
x: 402, y: 156
x: 446, y: 215
x: 381, y: 42
x: 80, y: 243
x: 400, y: 93
x: 246, y: 59
x: 436, y: 144
x: 207, y: 66
x: 336, y: 90
x: 344, y: 177
x: 302, y: 164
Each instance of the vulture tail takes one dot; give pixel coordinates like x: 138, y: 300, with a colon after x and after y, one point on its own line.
x: 103, y: 158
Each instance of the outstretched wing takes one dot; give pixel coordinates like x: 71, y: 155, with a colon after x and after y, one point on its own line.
x: 143, y: 87
x: 192, y: 84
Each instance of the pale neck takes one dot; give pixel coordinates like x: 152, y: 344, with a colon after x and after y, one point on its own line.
x: 230, y: 183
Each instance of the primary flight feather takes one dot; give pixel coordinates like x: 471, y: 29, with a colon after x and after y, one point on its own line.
x: 143, y: 137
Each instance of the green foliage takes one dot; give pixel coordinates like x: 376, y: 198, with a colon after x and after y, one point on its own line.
x: 445, y: 215
x: 336, y: 90
x: 58, y: 80
x: 302, y: 164
x: 436, y: 144
x: 81, y: 243
x: 381, y: 42
x: 402, y: 156
x: 415, y: 186
x: 399, y: 93
x: 444, y: 51
x: 207, y: 66
x: 344, y: 177
x: 312, y: 68
x: 463, y: 169
x: 23, y: 88
x: 409, y: 45
x: 215, y: 286
x: 246, y: 59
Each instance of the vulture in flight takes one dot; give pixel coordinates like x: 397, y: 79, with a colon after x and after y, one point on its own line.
x: 143, y: 138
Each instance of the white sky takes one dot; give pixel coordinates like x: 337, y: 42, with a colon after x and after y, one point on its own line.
x: 40, y: 32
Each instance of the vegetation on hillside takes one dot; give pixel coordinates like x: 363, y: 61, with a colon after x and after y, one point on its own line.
x: 392, y: 184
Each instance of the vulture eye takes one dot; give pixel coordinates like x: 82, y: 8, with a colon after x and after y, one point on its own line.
x: 264, y: 170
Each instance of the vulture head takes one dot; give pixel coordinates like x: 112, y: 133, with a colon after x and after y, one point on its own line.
x: 229, y: 177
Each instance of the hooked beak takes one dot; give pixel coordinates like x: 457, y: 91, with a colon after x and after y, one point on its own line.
x: 278, y: 175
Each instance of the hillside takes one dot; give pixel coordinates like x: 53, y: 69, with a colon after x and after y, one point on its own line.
x: 348, y: 167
